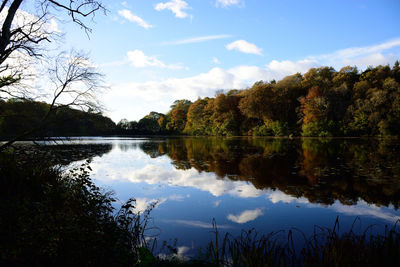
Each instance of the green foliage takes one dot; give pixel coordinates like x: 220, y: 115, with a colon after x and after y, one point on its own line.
x: 262, y: 130
x: 278, y: 128
x: 123, y: 124
x: 319, y: 128
x: 149, y: 126
x: 9, y: 80
x: 229, y: 126
x: 271, y: 128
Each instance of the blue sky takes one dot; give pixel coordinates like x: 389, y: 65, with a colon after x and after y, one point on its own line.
x: 156, y: 51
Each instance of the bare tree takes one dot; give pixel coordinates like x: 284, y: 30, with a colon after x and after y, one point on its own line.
x: 23, y: 32
x: 75, y: 83
x: 22, y: 38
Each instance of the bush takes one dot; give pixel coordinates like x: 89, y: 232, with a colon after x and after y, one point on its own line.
x: 51, y: 218
x: 271, y: 128
x: 319, y: 128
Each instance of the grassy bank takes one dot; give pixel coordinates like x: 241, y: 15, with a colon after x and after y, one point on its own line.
x: 50, y: 217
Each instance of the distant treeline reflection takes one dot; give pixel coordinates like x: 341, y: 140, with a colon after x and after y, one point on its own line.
x: 60, y: 152
x: 321, y: 170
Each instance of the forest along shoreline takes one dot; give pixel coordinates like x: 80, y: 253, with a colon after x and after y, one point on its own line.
x: 320, y: 103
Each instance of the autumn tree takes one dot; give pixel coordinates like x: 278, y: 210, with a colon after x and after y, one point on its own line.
x: 257, y: 101
x: 287, y: 92
x: 177, y: 115
x: 199, y: 118
x: 314, y: 111
x: 374, y: 109
x: 321, y: 77
x: 226, y: 115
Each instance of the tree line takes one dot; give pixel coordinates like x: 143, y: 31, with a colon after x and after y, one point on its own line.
x: 16, y: 116
x: 321, y: 102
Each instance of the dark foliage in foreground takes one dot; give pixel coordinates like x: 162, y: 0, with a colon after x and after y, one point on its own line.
x: 55, y: 218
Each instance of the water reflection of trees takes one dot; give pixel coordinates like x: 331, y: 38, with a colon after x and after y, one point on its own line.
x: 63, y: 154
x: 322, y: 170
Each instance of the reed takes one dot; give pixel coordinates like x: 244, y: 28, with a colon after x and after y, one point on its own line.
x: 326, y: 247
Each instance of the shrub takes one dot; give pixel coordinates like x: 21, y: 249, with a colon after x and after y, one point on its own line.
x: 51, y: 218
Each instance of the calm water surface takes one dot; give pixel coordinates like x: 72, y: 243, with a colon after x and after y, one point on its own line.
x: 269, y: 184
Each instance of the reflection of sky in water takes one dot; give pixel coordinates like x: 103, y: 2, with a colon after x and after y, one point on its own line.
x: 188, y: 200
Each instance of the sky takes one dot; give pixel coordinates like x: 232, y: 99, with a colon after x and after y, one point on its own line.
x: 153, y: 52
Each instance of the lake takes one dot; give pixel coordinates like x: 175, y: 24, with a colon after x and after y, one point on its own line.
x: 263, y: 183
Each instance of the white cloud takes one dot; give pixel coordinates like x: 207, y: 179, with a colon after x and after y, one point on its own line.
x: 360, y: 56
x: 227, y: 3
x: 217, y: 202
x: 361, y: 51
x: 52, y: 26
x: 364, y: 209
x: 288, y: 67
x: 176, y: 197
x: 181, y: 252
x: 143, y: 203
x: 278, y: 196
x: 244, y: 47
x: 216, y: 60
x: 125, y: 13
x: 154, y: 173
x: 198, y: 39
x: 176, y: 6
x: 31, y: 23
x: 198, y: 224
x: 30, y: 69
x: 138, y: 59
x: 246, y: 216
x: 370, y: 60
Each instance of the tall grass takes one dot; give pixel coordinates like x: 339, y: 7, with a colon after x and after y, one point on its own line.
x: 326, y: 247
